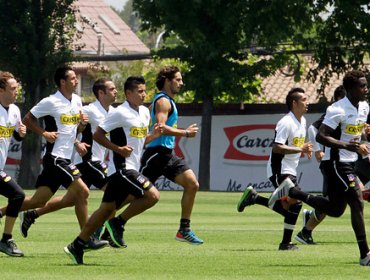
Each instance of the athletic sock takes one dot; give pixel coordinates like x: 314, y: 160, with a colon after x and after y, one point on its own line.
x: 33, y: 213
x: 121, y: 221
x: 79, y: 243
x: 261, y: 200
x: 185, y: 224
x: 6, y: 237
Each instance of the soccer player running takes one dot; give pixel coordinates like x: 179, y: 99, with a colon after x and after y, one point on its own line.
x: 350, y: 114
x: 89, y: 158
x: 289, y: 144
x: 10, y: 125
x: 128, y: 128
x: 159, y: 159
x: 62, y: 115
x: 313, y: 218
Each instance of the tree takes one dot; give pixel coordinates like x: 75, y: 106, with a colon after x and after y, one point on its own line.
x: 36, y: 37
x: 220, y: 39
x: 216, y: 38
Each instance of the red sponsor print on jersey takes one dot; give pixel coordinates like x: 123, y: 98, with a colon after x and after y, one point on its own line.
x: 250, y: 142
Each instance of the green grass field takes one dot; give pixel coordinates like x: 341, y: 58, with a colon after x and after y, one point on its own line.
x: 237, y: 246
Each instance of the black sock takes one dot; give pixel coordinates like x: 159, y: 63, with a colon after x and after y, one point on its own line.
x: 79, y: 243
x: 6, y: 237
x: 121, y: 221
x: 33, y: 213
x: 261, y: 200
x: 185, y: 224
x: 306, y: 231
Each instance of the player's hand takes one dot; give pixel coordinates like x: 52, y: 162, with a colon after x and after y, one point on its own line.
x: 353, y: 145
x: 50, y: 136
x: 125, y: 151
x: 84, y: 118
x: 82, y: 148
x: 22, y: 129
x: 363, y: 149
x: 192, y: 130
x: 319, y: 155
x: 307, y: 148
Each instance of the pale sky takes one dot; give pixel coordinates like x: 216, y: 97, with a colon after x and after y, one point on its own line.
x: 117, y: 4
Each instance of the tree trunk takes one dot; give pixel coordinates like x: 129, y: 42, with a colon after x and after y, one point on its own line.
x: 31, y: 149
x: 205, y: 144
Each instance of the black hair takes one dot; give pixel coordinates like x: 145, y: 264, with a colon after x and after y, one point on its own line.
x: 351, y: 79
x: 61, y: 74
x: 132, y: 82
x: 100, y: 85
x: 293, y: 96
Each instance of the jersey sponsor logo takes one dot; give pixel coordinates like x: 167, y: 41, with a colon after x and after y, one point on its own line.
x: 70, y: 119
x: 249, y: 142
x: 138, y: 132
x: 298, y: 141
x: 354, y: 129
x: 6, y: 132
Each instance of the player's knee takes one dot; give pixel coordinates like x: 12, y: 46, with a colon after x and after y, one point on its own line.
x: 153, y: 196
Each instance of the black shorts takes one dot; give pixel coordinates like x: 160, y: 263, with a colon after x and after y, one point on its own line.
x: 93, y: 173
x: 11, y: 190
x: 276, y: 179
x: 158, y: 161
x: 362, y: 169
x: 57, y: 172
x: 123, y: 183
x: 341, y: 177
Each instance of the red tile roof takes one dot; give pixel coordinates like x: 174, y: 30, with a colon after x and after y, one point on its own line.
x: 96, y: 16
x: 276, y: 87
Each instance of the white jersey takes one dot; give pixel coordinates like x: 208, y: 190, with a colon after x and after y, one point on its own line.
x: 61, y: 115
x: 289, y: 131
x: 96, y: 114
x: 9, y: 121
x: 351, y: 122
x: 126, y: 126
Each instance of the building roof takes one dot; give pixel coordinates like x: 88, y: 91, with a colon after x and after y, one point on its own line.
x: 276, y: 87
x: 96, y: 19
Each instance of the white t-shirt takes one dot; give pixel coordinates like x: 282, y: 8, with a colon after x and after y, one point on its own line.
x: 351, y: 121
x: 61, y: 115
x: 9, y: 121
x: 96, y: 114
x: 127, y: 127
x: 289, y: 131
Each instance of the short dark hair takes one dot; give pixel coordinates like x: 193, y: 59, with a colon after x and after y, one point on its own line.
x: 4, y: 77
x: 339, y: 93
x: 61, y: 73
x: 293, y: 96
x: 167, y: 72
x: 351, y: 78
x: 132, y: 82
x: 100, y: 85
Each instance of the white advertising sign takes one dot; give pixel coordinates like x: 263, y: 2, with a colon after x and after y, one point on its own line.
x: 240, y: 148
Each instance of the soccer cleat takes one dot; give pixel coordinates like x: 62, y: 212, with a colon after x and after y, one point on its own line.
x: 247, y: 198
x: 25, y: 222
x: 288, y: 247
x: 106, y: 236
x: 75, y: 255
x: 10, y: 248
x: 115, y: 230
x: 280, y: 192
x: 365, y: 261
x: 305, y: 238
x: 95, y: 244
x: 188, y: 236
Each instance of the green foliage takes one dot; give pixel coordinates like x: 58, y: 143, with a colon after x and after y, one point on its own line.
x: 36, y: 37
x: 237, y: 245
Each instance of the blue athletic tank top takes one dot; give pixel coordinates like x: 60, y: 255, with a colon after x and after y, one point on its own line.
x: 164, y: 140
